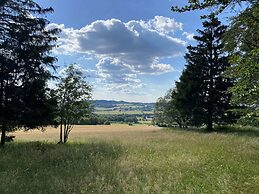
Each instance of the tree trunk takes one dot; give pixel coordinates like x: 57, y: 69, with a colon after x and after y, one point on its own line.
x: 179, y: 124
x: 1, y: 105
x: 60, y: 131
x: 65, y: 132
x: 3, y: 136
x: 209, y: 123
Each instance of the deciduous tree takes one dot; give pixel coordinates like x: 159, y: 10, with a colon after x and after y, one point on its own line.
x: 218, y: 5
x: 166, y: 113
x: 73, y: 95
x: 242, y: 42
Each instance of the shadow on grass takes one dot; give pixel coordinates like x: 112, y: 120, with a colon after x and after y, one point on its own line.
x: 239, y: 131
x: 49, y: 168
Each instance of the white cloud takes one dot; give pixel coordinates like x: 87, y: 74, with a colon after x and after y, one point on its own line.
x: 165, y: 24
x: 124, y: 50
x: 117, y: 76
x: 88, y: 73
x: 162, y: 68
x: 189, y: 36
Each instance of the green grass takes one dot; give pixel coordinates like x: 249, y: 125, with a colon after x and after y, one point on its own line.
x: 166, y: 161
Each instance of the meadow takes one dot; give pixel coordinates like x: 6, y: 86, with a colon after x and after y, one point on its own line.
x: 132, y: 159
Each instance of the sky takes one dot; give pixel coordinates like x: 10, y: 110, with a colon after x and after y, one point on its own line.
x: 128, y: 50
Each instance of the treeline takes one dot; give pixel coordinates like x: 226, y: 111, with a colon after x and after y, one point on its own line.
x: 220, y: 82
x: 96, y: 119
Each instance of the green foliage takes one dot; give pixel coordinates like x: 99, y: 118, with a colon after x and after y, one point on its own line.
x: 93, y: 119
x: 96, y: 119
x: 166, y: 114
x: 107, y: 123
x: 160, y: 112
x: 24, y: 62
x: 131, y: 119
x: 201, y: 94
x: 122, y: 118
x: 218, y: 5
x: 242, y: 41
x: 73, y: 95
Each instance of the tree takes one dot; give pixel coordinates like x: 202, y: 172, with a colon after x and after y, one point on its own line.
x: 160, y: 112
x: 242, y: 42
x: 131, y: 119
x: 219, y: 5
x: 3, y: 2
x: 73, y: 95
x: 24, y: 61
x: 202, y: 92
x: 166, y: 114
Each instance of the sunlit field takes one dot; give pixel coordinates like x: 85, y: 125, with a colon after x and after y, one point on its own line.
x: 131, y: 159
x: 82, y: 133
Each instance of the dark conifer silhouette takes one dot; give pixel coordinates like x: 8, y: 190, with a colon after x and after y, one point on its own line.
x: 25, y: 45
x: 201, y: 94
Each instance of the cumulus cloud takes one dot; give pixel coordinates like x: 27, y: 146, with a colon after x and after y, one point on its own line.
x: 125, y: 50
x: 117, y: 75
x: 165, y: 24
x: 189, y: 36
x: 88, y: 73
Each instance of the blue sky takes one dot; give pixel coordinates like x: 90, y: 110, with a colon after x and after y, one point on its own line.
x: 129, y: 50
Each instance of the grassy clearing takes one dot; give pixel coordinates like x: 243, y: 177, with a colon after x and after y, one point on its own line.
x: 138, y: 159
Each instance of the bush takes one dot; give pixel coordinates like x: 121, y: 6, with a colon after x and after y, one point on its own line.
x: 107, y: 123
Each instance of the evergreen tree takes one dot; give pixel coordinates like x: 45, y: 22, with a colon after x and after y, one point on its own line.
x: 25, y: 45
x: 202, y: 92
x: 241, y: 41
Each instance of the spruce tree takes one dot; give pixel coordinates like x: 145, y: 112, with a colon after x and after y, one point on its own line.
x: 202, y: 92
x: 25, y: 47
x: 242, y: 42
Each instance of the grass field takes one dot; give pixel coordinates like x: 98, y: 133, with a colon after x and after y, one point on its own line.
x: 131, y: 159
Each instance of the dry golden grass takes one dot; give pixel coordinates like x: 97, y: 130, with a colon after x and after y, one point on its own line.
x: 82, y: 132
x: 132, y: 159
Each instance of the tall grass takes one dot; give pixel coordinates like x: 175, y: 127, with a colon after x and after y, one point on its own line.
x: 166, y: 161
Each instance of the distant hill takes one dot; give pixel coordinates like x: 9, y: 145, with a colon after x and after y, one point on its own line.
x: 113, y: 103
x: 122, y: 107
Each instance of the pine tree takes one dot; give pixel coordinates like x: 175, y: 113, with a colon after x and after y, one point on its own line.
x: 202, y: 92
x: 25, y: 45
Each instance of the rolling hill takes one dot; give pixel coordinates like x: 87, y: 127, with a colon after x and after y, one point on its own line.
x: 122, y: 107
